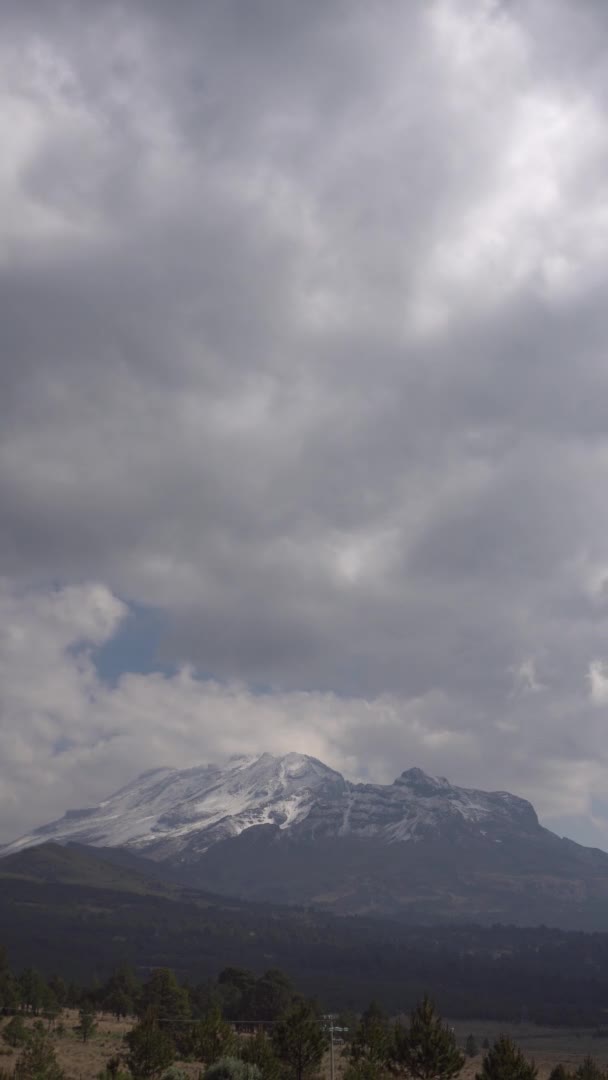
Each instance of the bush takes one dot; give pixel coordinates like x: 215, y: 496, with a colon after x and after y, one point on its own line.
x: 258, y: 1051
x: 150, y: 1050
x: 230, y: 1068
x: 505, y: 1061
x: 38, y: 1061
x: 365, y: 1070
x: 15, y: 1033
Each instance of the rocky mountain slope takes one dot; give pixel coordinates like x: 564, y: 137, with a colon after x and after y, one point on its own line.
x: 290, y: 829
x: 169, y: 811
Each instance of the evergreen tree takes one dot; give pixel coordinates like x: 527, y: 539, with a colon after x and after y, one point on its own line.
x: 259, y: 1051
x: 163, y: 993
x: 212, y: 1037
x: 10, y: 994
x: 272, y: 995
x: 59, y: 989
x: 365, y: 1070
x: 52, y: 1010
x: 86, y: 1021
x: 588, y: 1070
x: 38, y: 1060
x: 150, y: 1049
x: 119, y: 1004
x: 236, y: 988
x: 113, y: 1066
x: 372, y: 1037
x: 33, y: 991
x: 559, y: 1072
x: 505, y: 1061
x: 470, y: 1047
x: 299, y: 1042
x: 15, y: 1033
x: 427, y: 1050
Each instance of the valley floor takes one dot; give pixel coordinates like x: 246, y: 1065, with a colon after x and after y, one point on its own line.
x: 548, y: 1046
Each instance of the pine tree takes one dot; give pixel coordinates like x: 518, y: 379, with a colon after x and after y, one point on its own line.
x: 505, y: 1061
x: 372, y: 1039
x: 113, y: 1066
x: 33, y: 991
x: 272, y: 995
x: 299, y: 1042
x: 86, y: 1021
x: 559, y: 1072
x: 150, y: 1049
x: 470, y: 1047
x: 15, y: 1033
x: 38, y: 1060
x: 258, y: 1051
x: 588, y: 1070
x: 163, y: 993
x: 365, y: 1070
x: 119, y: 1004
x: 427, y: 1050
x: 213, y: 1037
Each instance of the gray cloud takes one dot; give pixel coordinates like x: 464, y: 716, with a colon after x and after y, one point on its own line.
x: 302, y: 326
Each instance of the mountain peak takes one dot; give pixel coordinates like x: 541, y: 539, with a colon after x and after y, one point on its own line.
x: 421, y: 783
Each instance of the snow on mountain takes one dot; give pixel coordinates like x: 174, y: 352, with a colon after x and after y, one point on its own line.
x: 290, y: 830
x: 164, y: 807
x: 165, y: 812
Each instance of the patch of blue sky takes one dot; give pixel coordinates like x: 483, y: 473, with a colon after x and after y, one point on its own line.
x: 135, y: 647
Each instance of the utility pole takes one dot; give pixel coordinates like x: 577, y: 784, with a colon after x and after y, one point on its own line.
x: 329, y: 1025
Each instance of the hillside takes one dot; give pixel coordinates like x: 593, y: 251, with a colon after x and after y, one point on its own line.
x: 83, y: 931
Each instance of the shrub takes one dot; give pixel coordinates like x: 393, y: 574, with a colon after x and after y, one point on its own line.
x: 505, y: 1061
x: 38, y: 1061
x: 229, y: 1068
x: 15, y: 1033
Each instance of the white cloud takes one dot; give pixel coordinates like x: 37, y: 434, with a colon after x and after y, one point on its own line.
x: 303, y: 326
x: 68, y: 739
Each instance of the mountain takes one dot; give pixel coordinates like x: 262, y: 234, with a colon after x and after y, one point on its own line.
x: 170, y: 812
x: 291, y: 830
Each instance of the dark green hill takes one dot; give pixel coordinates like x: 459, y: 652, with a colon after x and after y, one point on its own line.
x: 74, y: 912
x: 75, y: 865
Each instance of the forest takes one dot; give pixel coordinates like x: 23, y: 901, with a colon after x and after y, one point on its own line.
x: 83, y: 933
x: 237, y: 1027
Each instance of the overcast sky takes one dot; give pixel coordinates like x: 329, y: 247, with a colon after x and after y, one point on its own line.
x: 304, y: 393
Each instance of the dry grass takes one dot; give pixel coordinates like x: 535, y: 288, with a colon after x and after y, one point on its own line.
x: 548, y: 1046
x: 83, y: 1061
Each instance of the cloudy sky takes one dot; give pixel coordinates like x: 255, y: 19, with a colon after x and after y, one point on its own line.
x: 304, y: 393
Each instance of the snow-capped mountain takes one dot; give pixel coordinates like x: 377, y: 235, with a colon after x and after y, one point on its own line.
x: 291, y: 830
x: 169, y: 812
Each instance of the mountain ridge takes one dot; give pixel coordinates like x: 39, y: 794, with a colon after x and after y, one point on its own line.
x: 166, y: 811
x: 291, y: 830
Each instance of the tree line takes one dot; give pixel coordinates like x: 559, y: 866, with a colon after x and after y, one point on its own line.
x: 494, y: 973
x: 239, y: 1027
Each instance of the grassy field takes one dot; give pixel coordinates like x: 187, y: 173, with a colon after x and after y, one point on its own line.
x: 548, y: 1046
